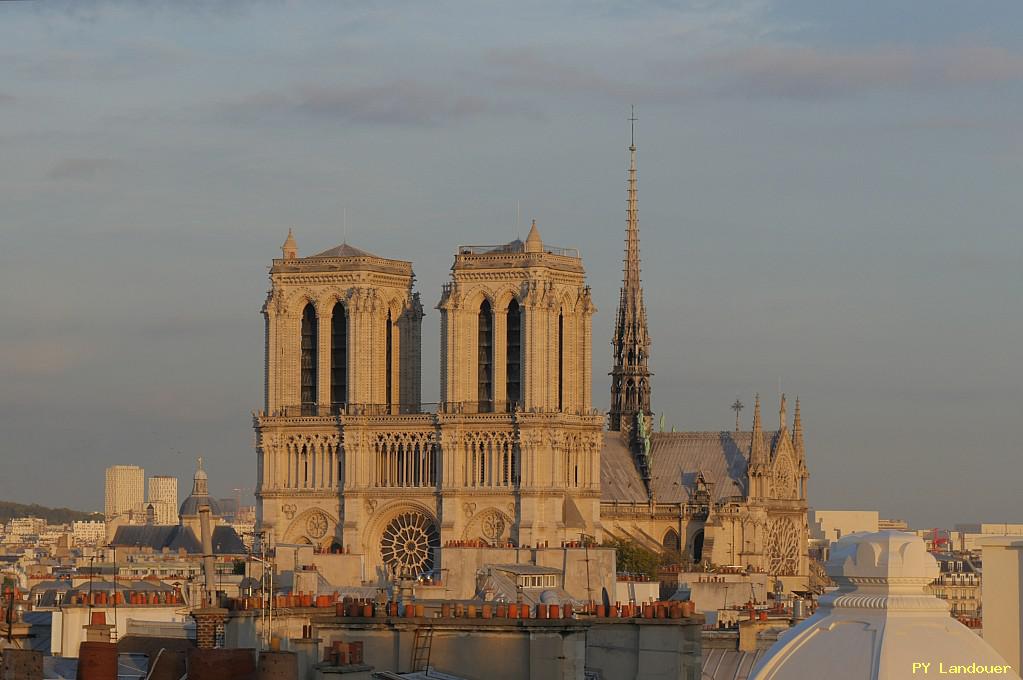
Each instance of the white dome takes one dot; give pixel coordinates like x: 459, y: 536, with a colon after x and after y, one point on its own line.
x: 880, y: 621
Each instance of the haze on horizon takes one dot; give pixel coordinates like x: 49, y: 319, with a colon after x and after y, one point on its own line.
x: 829, y: 201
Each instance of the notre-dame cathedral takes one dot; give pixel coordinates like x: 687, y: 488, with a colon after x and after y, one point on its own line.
x: 350, y: 458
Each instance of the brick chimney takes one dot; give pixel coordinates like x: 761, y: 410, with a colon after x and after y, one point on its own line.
x: 209, y: 627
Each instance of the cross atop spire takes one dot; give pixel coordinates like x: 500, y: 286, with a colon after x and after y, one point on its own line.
x: 630, y: 384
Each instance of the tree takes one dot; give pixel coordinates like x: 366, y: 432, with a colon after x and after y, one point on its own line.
x: 633, y: 558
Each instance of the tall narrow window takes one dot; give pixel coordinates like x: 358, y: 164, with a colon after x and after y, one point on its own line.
x: 339, y: 355
x: 561, y: 361
x: 388, y: 359
x: 308, y: 356
x: 486, y: 357
x: 513, y: 389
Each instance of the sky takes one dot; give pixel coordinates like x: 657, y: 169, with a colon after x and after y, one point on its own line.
x: 829, y: 199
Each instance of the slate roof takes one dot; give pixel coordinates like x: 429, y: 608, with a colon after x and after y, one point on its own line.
x: 676, y: 459
x: 190, y: 506
x: 344, y: 250
x: 175, y: 537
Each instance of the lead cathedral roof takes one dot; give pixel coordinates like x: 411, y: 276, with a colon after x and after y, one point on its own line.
x: 676, y: 458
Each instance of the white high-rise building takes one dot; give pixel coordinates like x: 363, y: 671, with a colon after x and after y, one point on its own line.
x: 163, y: 496
x: 125, y: 488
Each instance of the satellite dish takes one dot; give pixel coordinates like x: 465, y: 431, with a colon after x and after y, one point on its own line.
x: 550, y: 597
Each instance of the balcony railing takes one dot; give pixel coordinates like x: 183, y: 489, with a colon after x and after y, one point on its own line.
x: 513, y: 247
x: 352, y: 409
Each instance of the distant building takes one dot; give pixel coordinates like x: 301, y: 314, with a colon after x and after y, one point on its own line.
x: 892, y: 525
x: 185, y: 535
x: 959, y: 583
x: 163, y: 496
x: 26, y: 526
x: 124, y: 490
x: 832, y: 525
x: 970, y: 535
x: 829, y: 526
x: 88, y: 533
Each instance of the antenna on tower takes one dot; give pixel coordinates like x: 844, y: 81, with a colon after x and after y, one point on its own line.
x: 632, y: 121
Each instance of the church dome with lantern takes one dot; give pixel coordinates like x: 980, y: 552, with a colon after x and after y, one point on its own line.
x: 880, y: 622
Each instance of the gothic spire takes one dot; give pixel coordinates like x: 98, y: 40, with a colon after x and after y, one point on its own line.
x: 782, y: 418
x: 797, y: 433
x: 534, y: 244
x: 758, y: 448
x: 630, y: 383
x: 289, y: 249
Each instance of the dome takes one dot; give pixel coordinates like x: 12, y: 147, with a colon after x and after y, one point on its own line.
x: 200, y: 494
x: 190, y: 506
x: 880, y: 621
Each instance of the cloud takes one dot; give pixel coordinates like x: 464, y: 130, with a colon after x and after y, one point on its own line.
x: 812, y: 73
x: 527, y: 70
x: 984, y: 64
x: 400, y: 102
x: 81, y: 168
x: 38, y: 358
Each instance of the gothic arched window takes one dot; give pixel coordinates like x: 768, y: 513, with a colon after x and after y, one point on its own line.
x: 389, y: 356
x: 671, y: 540
x: 308, y: 356
x: 486, y: 357
x: 513, y: 346
x: 339, y: 355
x: 561, y: 361
x: 698, y: 547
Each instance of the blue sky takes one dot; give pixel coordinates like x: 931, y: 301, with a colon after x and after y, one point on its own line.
x: 828, y: 200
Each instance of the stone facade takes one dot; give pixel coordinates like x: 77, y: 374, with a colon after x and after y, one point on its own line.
x: 350, y: 459
x: 514, y: 452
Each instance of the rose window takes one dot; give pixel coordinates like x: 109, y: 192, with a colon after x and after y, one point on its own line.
x: 408, y: 542
x: 492, y: 526
x: 316, y: 525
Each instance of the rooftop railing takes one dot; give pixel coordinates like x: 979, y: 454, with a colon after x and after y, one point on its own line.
x: 354, y: 409
x: 514, y: 247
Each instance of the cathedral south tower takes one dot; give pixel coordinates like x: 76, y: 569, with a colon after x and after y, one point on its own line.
x: 516, y: 349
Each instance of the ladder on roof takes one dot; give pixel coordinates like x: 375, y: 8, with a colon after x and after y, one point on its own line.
x: 421, y: 649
